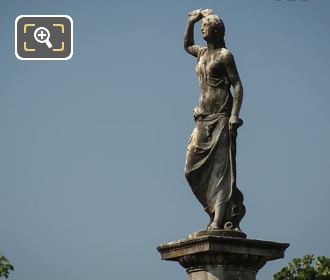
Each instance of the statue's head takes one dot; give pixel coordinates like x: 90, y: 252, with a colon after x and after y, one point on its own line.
x: 213, y: 28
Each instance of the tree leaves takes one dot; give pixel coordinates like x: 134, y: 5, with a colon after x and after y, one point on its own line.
x: 306, y: 268
x: 5, y: 267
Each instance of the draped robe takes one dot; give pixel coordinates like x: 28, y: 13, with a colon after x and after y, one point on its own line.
x: 209, y: 167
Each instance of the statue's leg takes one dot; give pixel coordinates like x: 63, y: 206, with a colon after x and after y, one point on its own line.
x: 219, y: 213
x: 211, y: 216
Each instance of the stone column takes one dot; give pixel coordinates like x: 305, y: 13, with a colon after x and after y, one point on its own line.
x: 214, y: 257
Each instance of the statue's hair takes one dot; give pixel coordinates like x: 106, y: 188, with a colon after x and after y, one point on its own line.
x: 212, y: 18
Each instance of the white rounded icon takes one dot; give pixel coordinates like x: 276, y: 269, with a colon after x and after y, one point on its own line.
x: 41, y: 35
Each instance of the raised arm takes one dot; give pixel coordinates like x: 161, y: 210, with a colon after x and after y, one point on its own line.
x: 189, y: 43
x: 235, y: 80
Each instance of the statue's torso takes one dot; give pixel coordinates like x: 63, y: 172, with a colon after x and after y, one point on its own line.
x: 213, y: 81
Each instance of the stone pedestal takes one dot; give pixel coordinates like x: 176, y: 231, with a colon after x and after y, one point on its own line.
x: 211, y: 257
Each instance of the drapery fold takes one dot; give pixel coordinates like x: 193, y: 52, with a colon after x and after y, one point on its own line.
x: 208, y: 168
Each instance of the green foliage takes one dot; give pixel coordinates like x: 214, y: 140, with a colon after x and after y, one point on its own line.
x: 5, y: 267
x: 306, y: 268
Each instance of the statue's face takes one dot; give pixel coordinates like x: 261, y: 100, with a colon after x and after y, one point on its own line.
x: 209, y: 30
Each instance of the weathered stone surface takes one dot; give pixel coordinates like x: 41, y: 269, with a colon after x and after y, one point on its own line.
x: 222, y: 258
x: 210, y: 167
x: 222, y: 251
x: 218, y: 232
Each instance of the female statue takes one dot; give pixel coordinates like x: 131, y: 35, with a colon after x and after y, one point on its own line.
x: 210, y: 167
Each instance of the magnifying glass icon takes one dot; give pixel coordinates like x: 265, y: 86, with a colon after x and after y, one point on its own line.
x: 41, y: 35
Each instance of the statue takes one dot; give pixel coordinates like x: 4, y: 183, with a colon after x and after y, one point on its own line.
x: 222, y: 251
x: 210, y: 167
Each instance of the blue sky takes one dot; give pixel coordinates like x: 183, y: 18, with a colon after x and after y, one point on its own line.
x: 92, y: 149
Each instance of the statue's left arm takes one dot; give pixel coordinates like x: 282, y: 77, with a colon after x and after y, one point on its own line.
x: 235, y: 81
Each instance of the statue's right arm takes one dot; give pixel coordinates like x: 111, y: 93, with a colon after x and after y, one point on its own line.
x: 189, y: 42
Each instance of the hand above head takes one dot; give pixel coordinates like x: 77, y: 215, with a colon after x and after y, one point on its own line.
x: 195, y: 16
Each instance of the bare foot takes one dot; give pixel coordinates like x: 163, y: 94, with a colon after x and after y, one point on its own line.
x: 212, y: 226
